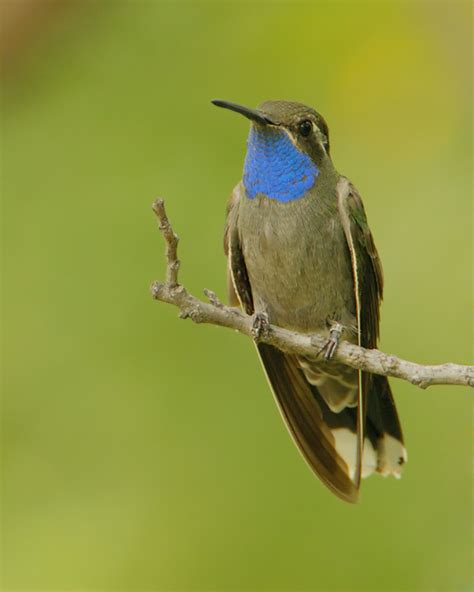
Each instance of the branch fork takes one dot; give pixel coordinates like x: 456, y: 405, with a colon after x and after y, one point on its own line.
x: 216, y: 313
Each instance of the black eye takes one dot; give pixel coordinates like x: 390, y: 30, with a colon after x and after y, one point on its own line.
x: 305, y: 128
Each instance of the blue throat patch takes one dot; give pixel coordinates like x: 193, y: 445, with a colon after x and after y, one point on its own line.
x: 275, y: 167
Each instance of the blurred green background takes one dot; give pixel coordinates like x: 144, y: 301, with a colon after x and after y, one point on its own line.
x: 141, y: 452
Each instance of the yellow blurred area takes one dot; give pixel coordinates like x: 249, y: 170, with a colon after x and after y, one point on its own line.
x: 141, y: 452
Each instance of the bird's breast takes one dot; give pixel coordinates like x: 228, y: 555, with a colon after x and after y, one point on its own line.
x: 298, y: 262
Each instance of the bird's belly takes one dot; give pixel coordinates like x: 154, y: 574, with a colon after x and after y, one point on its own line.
x: 299, y: 267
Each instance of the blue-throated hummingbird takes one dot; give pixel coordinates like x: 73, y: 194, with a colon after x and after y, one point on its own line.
x: 301, y: 256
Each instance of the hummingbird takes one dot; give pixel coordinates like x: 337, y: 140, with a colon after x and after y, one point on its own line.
x: 301, y: 256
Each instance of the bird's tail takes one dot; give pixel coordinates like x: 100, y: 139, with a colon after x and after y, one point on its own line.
x: 327, y: 438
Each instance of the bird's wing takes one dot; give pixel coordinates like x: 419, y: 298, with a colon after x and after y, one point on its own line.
x: 308, y: 418
x: 238, y: 284
x: 368, y: 289
x: 367, y: 268
x: 368, y: 281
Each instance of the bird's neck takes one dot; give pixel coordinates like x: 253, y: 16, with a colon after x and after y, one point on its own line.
x: 274, y: 166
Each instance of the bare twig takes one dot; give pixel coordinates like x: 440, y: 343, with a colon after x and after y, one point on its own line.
x: 216, y: 313
x: 171, y: 241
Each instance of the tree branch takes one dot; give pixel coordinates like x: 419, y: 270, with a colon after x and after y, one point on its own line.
x: 216, y: 313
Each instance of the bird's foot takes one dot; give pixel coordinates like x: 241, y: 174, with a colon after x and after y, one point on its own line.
x: 260, y: 325
x: 331, y: 344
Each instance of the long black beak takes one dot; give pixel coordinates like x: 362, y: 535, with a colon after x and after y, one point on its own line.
x: 252, y: 114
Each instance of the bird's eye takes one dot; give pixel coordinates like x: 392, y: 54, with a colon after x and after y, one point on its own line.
x: 305, y: 128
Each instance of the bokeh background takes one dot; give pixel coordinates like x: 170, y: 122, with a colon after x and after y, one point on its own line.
x: 141, y: 452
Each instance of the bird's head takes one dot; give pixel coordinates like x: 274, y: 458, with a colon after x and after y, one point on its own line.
x: 287, y: 146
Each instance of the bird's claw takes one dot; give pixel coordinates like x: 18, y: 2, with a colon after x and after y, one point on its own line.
x: 260, y: 325
x: 333, y: 341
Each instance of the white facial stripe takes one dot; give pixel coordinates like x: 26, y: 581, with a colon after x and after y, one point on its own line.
x: 290, y: 135
x: 315, y: 128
